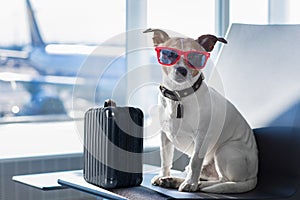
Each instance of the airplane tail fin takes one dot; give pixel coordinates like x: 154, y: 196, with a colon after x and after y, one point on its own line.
x: 36, y: 38
x: 231, y: 187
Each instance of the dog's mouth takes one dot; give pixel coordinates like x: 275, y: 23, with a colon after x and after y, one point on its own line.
x: 179, y: 79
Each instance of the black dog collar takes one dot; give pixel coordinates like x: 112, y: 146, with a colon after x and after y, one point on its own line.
x: 176, y: 95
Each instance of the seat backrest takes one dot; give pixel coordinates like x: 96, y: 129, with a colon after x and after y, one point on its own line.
x: 259, y: 72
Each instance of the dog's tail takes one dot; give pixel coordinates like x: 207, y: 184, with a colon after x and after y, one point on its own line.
x: 231, y: 187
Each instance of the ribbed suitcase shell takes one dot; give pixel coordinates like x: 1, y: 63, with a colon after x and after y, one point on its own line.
x: 105, y: 163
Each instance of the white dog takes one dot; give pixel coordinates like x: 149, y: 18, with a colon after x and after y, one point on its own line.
x: 200, y: 122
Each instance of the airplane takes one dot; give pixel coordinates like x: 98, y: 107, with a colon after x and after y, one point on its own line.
x: 62, y: 66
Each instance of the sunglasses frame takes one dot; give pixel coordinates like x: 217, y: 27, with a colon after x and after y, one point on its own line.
x: 185, y: 54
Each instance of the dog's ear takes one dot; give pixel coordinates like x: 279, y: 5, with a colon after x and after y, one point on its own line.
x: 208, y: 41
x: 159, y: 36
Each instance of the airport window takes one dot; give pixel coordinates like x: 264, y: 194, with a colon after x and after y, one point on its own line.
x: 264, y: 11
x: 45, y: 81
x: 15, y: 12
x: 292, y: 10
x: 249, y: 11
x: 83, y: 21
x: 45, y: 44
x: 191, y: 18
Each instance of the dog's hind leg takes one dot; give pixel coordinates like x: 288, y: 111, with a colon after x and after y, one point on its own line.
x: 237, y: 168
x: 209, y: 172
x: 231, y: 187
x: 204, y: 184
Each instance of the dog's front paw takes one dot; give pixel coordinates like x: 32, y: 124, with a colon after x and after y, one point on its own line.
x: 170, y: 182
x: 167, y: 182
x: 188, y: 186
x: 156, y: 180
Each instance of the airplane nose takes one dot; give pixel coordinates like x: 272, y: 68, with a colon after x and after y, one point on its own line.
x: 181, y: 71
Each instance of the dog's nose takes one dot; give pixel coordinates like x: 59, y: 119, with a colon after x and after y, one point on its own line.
x: 181, y: 71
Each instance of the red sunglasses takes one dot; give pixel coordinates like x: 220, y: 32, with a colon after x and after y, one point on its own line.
x: 169, y: 56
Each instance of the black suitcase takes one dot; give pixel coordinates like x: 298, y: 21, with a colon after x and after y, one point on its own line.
x: 113, y: 146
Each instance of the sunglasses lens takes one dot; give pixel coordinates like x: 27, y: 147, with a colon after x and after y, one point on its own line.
x: 196, y: 59
x: 167, y: 56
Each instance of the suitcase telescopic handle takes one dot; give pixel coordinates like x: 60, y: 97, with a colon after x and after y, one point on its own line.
x: 109, y: 102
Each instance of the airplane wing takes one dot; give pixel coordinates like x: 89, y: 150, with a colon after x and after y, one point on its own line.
x: 6, y: 53
x: 52, y: 80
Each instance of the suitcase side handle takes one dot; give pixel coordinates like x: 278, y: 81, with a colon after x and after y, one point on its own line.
x: 110, y: 103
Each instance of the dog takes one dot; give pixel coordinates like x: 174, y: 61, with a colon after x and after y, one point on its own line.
x: 200, y: 122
